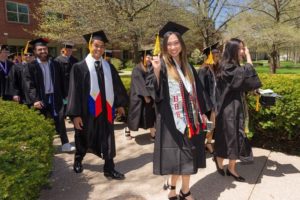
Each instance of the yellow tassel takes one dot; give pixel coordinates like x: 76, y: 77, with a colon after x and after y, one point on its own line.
x: 90, y: 44
x: 257, y: 103
x: 144, y: 60
x: 105, y: 55
x: 26, y: 47
x: 210, y: 60
x: 156, y: 50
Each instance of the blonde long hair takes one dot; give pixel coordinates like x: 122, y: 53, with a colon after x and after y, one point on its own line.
x: 182, y: 56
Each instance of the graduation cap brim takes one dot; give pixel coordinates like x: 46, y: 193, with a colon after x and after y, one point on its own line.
x: 146, y: 52
x: 39, y: 42
x: 212, y: 48
x: 173, y: 27
x: 99, y: 35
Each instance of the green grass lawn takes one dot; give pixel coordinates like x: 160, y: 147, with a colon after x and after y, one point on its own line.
x: 286, y: 67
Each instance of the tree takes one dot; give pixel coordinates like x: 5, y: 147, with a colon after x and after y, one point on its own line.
x: 269, y: 24
x: 212, y: 16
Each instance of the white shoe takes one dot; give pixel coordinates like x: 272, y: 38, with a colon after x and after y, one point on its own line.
x: 67, y: 147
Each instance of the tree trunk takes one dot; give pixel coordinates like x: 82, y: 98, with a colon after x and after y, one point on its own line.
x: 135, y: 45
x: 274, y: 59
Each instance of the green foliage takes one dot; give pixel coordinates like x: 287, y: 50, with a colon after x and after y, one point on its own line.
x: 195, y: 57
x: 129, y: 64
x: 280, y: 122
x: 126, y: 81
x: 25, y: 152
x: 117, y: 63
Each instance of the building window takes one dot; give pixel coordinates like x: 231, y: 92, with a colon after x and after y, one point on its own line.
x: 17, y: 12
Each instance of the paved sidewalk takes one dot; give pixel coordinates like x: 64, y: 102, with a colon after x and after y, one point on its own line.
x: 272, y: 176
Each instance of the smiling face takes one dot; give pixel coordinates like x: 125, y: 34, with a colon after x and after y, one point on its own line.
x: 98, y: 48
x: 173, y: 46
x: 241, y: 52
x: 41, y: 52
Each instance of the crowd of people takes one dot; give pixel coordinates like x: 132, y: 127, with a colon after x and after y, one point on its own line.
x: 167, y: 95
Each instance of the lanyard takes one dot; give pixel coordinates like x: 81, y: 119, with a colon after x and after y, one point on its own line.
x: 4, y: 68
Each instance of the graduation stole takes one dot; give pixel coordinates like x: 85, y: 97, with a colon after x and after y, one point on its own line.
x: 95, y: 101
x: 196, y: 112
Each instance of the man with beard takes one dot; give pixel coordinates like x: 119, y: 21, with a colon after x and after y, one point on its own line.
x: 5, y: 66
x: 95, y: 90
x: 44, y: 89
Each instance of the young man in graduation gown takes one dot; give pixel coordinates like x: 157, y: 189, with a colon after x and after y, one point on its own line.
x: 44, y: 89
x: 66, y: 61
x: 5, y: 66
x: 16, y: 76
x: 95, y: 91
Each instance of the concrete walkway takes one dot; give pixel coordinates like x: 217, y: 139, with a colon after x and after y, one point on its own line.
x: 272, y: 176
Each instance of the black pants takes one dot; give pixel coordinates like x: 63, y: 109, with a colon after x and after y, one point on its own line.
x: 59, y: 121
x: 81, y: 150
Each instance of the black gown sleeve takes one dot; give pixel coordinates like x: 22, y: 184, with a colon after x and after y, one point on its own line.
x: 121, y: 96
x: 13, y: 88
x: 74, y: 106
x: 30, y: 89
x: 138, y: 83
x: 241, y: 78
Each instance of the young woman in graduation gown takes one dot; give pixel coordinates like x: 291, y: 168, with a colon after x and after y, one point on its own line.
x: 233, y: 81
x: 141, y: 113
x: 179, y: 102
x: 95, y: 90
x: 207, y: 76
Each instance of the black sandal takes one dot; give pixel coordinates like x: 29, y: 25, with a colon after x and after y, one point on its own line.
x: 170, y: 187
x: 183, y: 196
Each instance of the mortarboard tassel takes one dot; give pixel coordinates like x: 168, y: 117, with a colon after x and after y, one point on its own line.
x: 156, y: 50
x: 90, y: 43
x: 210, y: 60
x: 105, y: 55
x: 26, y: 47
x: 257, y: 103
x: 144, y: 59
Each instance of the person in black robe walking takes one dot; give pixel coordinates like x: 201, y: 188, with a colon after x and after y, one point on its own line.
x: 141, y: 113
x: 207, y: 76
x: 5, y: 67
x: 233, y: 81
x: 95, y: 91
x: 16, y: 76
x: 43, y: 86
x: 180, y: 102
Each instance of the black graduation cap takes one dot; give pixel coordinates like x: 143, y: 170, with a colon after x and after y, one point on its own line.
x: 213, y: 48
x: 68, y: 45
x: 100, y: 35
x: 3, y: 46
x: 39, y: 42
x: 29, y: 51
x: 144, y: 53
x: 173, y: 27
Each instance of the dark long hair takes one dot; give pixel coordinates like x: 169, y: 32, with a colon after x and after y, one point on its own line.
x: 231, y: 52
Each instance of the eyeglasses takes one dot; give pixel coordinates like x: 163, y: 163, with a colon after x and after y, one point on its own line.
x: 28, y: 54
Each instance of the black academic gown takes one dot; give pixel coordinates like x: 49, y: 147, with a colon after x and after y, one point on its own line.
x: 234, y: 81
x: 66, y: 65
x: 34, y: 84
x: 140, y: 113
x: 4, y: 80
x: 97, y: 135
x: 16, y: 81
x: 175, y: 153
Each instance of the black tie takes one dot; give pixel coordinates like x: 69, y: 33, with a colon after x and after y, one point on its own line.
x: 99, y: 70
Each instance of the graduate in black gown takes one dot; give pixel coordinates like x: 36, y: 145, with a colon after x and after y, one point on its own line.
x: 5, y: 66
x: 207, y: 75
x: 180, y: 102
x: 16, y: 76
x: 43, y: 86
x: 141, y: 113
x: 233, y: 81
x: 95, y: 92
x: 66, y: 61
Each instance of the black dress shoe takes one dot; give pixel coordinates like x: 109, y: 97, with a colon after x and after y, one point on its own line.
x: 237, y: 178
x: 77, y: 167
x: 219, y: 170
x: 114, y: 175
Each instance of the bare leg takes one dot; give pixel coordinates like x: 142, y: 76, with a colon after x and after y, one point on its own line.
x: 172, y: 182
x: 152, y: 132
x: 209, y: 145
x: 232, y: 167
x: 220, y: 162
x: 186, y: 186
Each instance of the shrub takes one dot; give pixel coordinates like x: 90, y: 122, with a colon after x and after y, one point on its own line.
x: 282, y: 121
x: 129, y: 64
x: 117, y: 63
x: 25, y: 151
